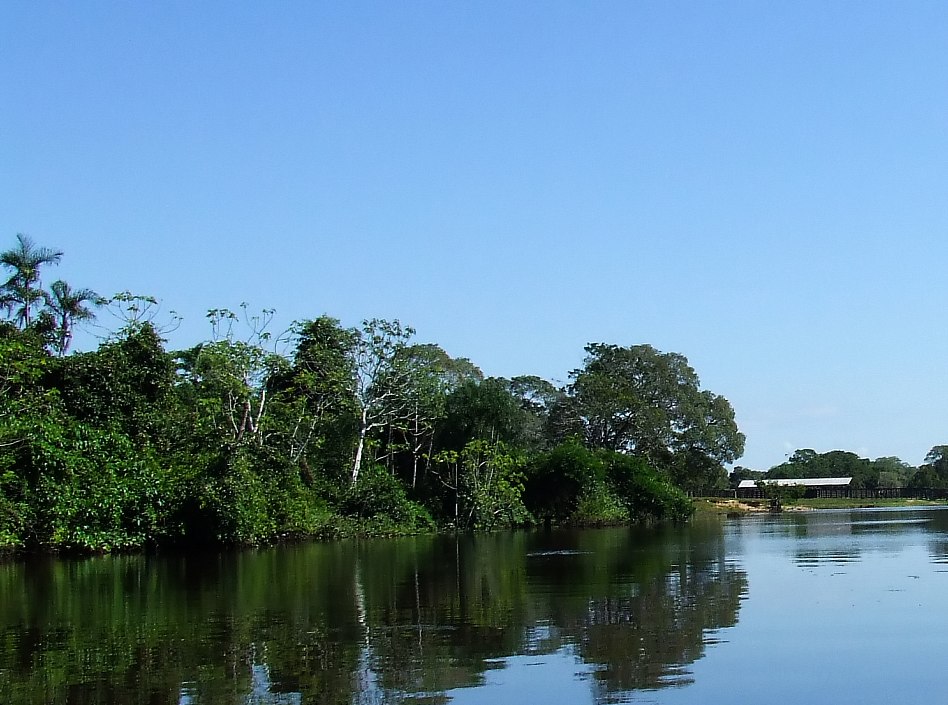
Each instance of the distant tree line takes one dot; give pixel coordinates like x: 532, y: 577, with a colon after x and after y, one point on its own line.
x: 886, y: 472
x: 248, y: 437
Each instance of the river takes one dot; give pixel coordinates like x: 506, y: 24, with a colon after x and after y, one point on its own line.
x: 807, y: 607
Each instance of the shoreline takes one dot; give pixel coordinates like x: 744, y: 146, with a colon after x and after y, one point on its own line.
x: 716, y: 505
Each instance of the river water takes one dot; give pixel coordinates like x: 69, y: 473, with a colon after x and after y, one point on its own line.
x: 809, y: 607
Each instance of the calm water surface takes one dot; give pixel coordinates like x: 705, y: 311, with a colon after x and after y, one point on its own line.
x: 817, y: 607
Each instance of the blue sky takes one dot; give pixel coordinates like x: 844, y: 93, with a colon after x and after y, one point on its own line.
x: 759, y: 186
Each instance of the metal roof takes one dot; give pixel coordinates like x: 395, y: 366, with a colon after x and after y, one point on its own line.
x: 806, y: 481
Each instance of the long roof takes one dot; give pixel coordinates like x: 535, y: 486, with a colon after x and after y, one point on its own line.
x: 805, y: 481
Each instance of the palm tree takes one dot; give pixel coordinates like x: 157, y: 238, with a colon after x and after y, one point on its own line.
x: 68, y: 307
x: 22, y: 291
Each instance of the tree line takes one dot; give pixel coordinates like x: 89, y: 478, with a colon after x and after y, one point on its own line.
x: 249, y: 437
x: 885, y: 472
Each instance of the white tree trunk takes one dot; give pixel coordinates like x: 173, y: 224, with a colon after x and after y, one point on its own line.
x: 363, y: 430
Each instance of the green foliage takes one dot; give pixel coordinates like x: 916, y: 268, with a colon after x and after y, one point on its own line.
x: 408, y: 437
x: 15, y: 512
x: 892, y: 472
x: 492, y: 475
x: 379, y: 496
x: 572, y: 484
x: 647, y: 495
x: 882, y: 472
x: 934, y: 472
x: 126, y: 384
x: 480, y: 411
x: 740, y: 473
x: 382, y: 380
x: 538, y: 399
x: 599, y: 505
x: 557, y: 480
x: 314, y: 397
x: 24, y: 366
x: 226, y: 381
x: 236, y: 502
x: 485, y: 484
x: 89, y: 489
x: 694, y: 471
x: 66, y: 307
x: 22, y: 291
x: 780, y: 494
x: 647, y: 403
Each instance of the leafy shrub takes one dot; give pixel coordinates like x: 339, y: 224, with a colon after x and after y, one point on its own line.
x: 484, y: 483
x: 558, y: 480
x: 599, y: 505
x: 644, y: 491
x: 91, y: 489
x: 13, y: 514
x: 379, y: 496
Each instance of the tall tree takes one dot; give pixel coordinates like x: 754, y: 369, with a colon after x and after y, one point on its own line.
x: 937, y: 457
x: 645, y: 402
x: 382, y: 379
x: 934, y: 471
x: 230, y: 374
x: 68, y: 306
x: 22, y: 292
x: 538, y: 398
x: 433, y: 375
x: 892, y: 471
x: 126, y: 384
x: 481, y: 410
x: 317, y: 392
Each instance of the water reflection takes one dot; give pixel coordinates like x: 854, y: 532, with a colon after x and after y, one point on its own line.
x: 842, y: 537
x: 936, y: 527
x: 644, y: 606
x: 422, y: 620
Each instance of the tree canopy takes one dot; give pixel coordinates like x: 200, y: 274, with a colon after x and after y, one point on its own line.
x: 640, y: 401
x: 247, y: 437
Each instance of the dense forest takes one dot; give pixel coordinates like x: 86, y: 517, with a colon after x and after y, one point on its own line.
x: 248, y: 437
x: 326, y: 430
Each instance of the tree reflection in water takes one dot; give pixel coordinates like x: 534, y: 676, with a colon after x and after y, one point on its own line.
x: 365, y: 622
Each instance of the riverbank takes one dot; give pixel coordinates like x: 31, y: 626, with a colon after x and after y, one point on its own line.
x: 716, y: 505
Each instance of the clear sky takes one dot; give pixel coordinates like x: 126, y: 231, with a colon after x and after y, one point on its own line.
x: 760, y: 186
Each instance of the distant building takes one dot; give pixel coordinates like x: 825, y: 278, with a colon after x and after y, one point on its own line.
x: 815, y: 486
